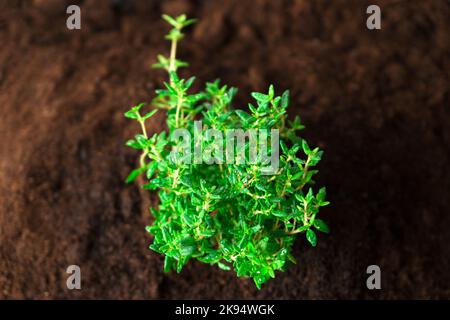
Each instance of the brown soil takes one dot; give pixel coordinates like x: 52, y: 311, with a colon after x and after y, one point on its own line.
x: 377, y: 102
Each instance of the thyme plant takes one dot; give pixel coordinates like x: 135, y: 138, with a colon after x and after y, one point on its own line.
x: 227, y: 214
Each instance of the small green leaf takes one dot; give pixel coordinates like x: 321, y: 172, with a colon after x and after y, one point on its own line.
x: 271, y: 91
x: 131, y: 114
x: 297, y: 176
x: 187, y: 246
x: 260, y: 97
x: 133, y: 144
x: 259, y: 280
x: 170, y: 20
x: 169, y: 263
x: 148, y: 115
x: 174, y: 34
x: 223, y: 266
x: 189, y: 22
x: 280, y: 214
x: 133, y: 175
x: 305, y: 147
x: 243, y: 115
x: 311, y: 236
x: 321, y: 194
x: 285, y: 99
x: 141, y: 140
x: 212, y: 257
x: 151, y: 168
x: 284, y: 147
x: 189, y: 83
x: 321, y: 226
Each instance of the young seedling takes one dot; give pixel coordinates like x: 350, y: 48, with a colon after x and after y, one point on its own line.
x: 227, y: 214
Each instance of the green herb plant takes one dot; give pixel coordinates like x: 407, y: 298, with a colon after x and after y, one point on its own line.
x: 229, y: 215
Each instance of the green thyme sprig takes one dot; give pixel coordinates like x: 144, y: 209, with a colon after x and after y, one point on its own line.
x: 230, y: 215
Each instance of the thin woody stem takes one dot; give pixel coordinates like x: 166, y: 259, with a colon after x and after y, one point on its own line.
x: 173, y: 55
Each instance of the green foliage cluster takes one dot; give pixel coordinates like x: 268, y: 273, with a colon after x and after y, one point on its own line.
x: 226, y: 214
